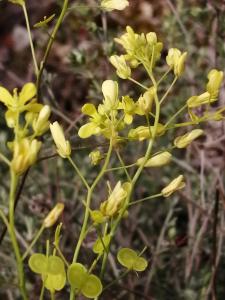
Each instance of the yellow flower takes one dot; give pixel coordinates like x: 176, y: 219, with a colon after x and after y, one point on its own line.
x: 177, y: 184
x: 122, y: 69
x: 146, y: 101
x: 113, y: 204
x: 140, y: 47
x: 129, y: 107
x: 110, y: 5
x: 184, y: 140
x: 196, y: 101
x: 176, y: 60
x: 143, y: 132
x: 215, y: 78
x: 63, y: 146
x: 94, y: 126
x: 24, y: 154
x: 19, y: 103
x: 95, y: 157
x: 41, y: 123
x: 53, y: 215
x: 157, y: 160
x: 110, y: 93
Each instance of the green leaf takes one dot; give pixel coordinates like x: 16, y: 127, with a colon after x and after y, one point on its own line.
x: 98, y: 247
x: 77, y: 275
x: 92, y: 287
x: 38, y: 263
x: 140, y: 264
x: 127, y: 257
x: 55, y: 265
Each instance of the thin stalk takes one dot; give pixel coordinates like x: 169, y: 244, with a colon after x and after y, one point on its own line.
x: 42, y: 292
x: 120, y: 168
x: 168, y: 91
x: 38, y: 234
x: 88, y: 202
x: 138, y: 83
x: 30, y: 39
x: 138, y: 172
x: 164, y: 75
x: 50, y: 43
x: 61, y: 255
x: 3, y: 158
x: 87, y: 209
x: 79, y: 173
x: 123, y: 166
x: 20, y: 269
x: 116, y: 280
x: 176, y: 114
x: 144, y: 199
x: 52, y: 296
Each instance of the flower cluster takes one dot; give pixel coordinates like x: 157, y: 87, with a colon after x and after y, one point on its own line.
x: 215, y: 78
x: 29, y: 120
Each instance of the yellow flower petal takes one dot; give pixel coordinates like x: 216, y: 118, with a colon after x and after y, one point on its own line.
x: 88, y: 129
x: 5, y: 97
x: 27, y: 93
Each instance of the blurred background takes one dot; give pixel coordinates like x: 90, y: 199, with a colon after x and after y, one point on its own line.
x: 184, y: 233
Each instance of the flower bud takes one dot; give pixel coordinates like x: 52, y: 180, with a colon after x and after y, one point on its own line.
x: 113, y: 204
x: 122, y: 69
x: 176, y: 184
x: 157, y: 160
x: 110, y: 5
x: 24, y: 154
x: 145, y: 102
x: 151, y: 38
x: 63, y: 146
x: 184, y: 140
x: 41, y: 124
x: 53, y: 215
x: 196, y: 101
x: 95, y: 157
x: 110, y: 92
x: 176, y: 60
x: 215, y: 78
x: 142, y: 133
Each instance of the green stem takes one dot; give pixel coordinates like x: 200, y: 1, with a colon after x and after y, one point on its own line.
x: 79, y: 173
x: 164, y: 75
x: 87, y: 208
x: 61, y: 255
x: 123, y: 165
x: 88, y: 202
x: 176, y: 114
x: 30, y: 39
x: 138, y: 172
x: 168, y: 91
x: 144, y: 199
x: 38, y: 234
x: 50, y: 43
x: 120, y: 168
x: 42, y: 292
x: 116, y: 280
x: 19, y: 260
x: 3, y: 158
x: 52, y: 296
x: 138, y: 83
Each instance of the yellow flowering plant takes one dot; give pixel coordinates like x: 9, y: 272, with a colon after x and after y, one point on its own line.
x: 121, y: 122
